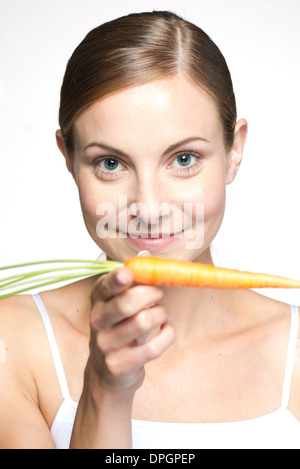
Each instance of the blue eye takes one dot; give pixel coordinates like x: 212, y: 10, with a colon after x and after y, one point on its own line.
x: 110, y: 165
x: 184, y: 160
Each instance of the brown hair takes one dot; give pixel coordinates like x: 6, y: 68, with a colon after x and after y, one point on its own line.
x: 139, y: 48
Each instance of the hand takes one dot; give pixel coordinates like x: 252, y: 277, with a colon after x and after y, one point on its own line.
x: 122, y: 315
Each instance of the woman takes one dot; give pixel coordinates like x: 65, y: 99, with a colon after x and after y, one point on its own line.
x: 148, y: 119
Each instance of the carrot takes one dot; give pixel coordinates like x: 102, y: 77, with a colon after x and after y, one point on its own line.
x: 155, y: 271
x: 146, y: 270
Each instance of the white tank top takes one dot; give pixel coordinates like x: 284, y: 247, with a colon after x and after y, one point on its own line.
x: 276, y: 430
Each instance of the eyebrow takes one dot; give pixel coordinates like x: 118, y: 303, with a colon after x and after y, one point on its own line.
x: 107, y: 148
x: 124, y: 155
x: 183, y: 142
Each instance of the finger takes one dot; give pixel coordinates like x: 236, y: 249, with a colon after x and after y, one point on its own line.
x: 128, y: 303
x: 141, y: 339
x: 156, y: 346
x: 112, y: 284
x: 128, y: 360
x: 136, y: 328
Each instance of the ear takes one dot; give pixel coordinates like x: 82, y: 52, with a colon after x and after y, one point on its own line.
x: 62, y: 146
x: 236, y: 152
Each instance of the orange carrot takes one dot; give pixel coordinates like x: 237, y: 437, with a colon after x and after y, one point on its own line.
x: 155, y: 271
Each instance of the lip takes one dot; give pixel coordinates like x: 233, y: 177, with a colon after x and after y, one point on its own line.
x: 153, y: 244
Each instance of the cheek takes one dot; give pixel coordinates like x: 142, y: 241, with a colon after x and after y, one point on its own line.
x: 99, y: 205
x: 210, y: 192
x: 89, y: 209
x: 214, y: 201
x: 214, y: 198
x: 90, y: 197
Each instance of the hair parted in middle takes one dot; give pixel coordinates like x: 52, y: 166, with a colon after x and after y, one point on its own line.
x: 137, y: 49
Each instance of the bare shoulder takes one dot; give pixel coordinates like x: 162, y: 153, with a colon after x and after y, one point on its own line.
x: 274, y: 316
x: 21, y: 422
x: 266, y: 322
x: 22, y: 331
x: 261, y: 309
x: 18, y: 323
x: 21, y: 335
x: 271, y: 321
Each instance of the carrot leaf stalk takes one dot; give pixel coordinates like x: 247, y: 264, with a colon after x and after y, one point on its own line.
x: 50, y: 272
x: 146, y: 270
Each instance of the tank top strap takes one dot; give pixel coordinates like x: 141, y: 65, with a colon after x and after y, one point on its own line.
x: 290, y: 359
x: 54, y: 348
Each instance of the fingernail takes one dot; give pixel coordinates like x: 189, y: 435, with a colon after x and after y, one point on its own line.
x: 121, y: 278
x: 143, y: 253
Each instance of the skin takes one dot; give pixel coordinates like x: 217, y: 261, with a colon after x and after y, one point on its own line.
x: 171, y: 116
x: 101, y: 324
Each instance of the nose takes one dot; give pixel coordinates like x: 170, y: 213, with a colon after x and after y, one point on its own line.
x: 149, y: 202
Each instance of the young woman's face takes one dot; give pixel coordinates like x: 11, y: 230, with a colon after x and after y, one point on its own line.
x: 151, y: 169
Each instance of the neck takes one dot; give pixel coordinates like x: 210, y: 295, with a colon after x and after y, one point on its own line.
x: 196, y: 310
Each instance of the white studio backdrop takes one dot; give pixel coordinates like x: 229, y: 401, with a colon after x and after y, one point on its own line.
x: 40, y: 216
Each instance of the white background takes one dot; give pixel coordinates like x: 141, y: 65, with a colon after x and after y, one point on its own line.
x: 40, y: 217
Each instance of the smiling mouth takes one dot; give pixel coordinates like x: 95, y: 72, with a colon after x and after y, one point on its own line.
x: 150, y: 236
x: 149, y: 242
x: 153, y: 236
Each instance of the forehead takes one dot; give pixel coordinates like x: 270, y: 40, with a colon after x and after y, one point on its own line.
x: 164, y: 109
